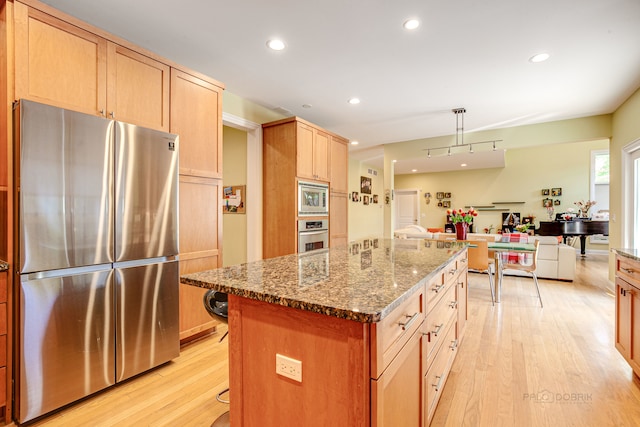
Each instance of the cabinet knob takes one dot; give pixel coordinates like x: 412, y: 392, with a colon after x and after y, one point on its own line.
x: 112, y: 115
x: 102, y: 112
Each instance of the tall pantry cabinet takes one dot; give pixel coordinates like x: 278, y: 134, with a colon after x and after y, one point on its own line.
x: 53, y: 58
x: 295, y: 149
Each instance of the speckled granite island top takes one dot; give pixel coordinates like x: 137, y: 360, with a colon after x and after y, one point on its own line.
x: 363, y: 281
x: 629, y: 253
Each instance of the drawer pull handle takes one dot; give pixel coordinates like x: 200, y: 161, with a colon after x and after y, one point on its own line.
x: 437, y: 288
x: 454, y: 345
x: 453, y: 304
x: 437, y: 330
x: 627, y: 270
x: 452, y: 271
x: 439, y: 383
x: 406, y: 325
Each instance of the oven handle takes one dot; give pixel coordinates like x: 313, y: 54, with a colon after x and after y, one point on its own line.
x: 311, y: 233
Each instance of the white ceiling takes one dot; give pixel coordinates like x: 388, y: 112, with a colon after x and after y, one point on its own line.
x: 466, y: 53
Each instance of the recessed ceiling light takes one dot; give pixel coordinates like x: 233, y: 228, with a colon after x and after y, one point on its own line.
x: 394, y: 160
x: 464, y: 165
x: 411, y: 24
x: 306, y: 105
x: 354, y: 101
x: 540, y: 57
x: 275, y: 44
x: 414, y: 170
x: 354, y: 142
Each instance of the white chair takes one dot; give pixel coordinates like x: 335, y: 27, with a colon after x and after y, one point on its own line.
x: 527, y: 268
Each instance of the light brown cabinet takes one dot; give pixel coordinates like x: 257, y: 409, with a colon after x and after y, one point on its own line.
x: 196, y: 115
x: 627, y: 332
x: 294, y: 149
x: 338, y: 226
x: 443, y: 329
x: 64, y: 62
x: 339, y: 165
x: 61, y: 64
x: 312, y: 153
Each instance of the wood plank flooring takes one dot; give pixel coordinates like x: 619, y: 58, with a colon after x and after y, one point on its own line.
x: 519, y: 365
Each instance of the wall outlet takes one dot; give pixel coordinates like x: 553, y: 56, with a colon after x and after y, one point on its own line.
x: 288, y: 367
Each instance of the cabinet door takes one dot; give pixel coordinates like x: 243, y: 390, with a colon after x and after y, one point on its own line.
x: 304, y: 151
x: 196, y: 116
x: 200, y: 241
x: 339, y: 165
x: 58, y: 63
x: 634, y: 329
x: 338, y: 221
x: 321, y: 156
x: 462, y: 293
x: 137, y: 88
x: 623, y: 318
x: 397, y: 394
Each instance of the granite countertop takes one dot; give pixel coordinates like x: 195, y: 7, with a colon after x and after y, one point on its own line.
x: 363, y: 282
x: 629, y: 253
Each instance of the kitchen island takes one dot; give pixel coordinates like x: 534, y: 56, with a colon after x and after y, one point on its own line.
x: 355, y: 336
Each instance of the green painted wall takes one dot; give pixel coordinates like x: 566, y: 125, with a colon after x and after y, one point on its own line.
x: 527, y: 172
x: 234, y: 171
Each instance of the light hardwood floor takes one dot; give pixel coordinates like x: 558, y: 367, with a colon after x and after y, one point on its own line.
x: 519, y: 365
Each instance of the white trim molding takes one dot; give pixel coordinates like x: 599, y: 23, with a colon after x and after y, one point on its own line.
x: 254, y: 182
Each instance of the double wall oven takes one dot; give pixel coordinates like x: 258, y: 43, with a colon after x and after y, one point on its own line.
x: 313, y: 214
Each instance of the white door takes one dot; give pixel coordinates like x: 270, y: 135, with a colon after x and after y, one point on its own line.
x: 406, y: 205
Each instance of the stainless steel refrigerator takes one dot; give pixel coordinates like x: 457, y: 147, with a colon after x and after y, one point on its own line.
x: 98, y: 245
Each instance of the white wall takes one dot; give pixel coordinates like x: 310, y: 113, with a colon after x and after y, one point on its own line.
x: 365, y: 220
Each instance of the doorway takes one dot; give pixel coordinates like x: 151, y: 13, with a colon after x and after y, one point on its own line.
x: 630, y: 195
x: 406, y: 207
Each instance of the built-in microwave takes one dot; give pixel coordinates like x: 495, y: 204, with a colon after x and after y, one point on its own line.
x: 313, y: 199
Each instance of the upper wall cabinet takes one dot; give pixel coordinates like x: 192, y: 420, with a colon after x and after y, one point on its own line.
x: 312, y: 153
x: 60, y: 64
x: 339, y: 164
x: 196, y: 115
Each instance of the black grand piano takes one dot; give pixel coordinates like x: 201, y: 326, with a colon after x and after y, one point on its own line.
x: 575, y: 227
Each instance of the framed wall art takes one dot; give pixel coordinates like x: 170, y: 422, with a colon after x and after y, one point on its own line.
x: 365, y: 185
x: 233, y: 199
x: 556, y: 191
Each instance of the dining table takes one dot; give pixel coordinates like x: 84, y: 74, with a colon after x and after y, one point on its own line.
x: 496, y: 248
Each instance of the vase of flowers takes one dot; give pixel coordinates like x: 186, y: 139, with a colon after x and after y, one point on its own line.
x: 461, y: 220
x: 583, y: 207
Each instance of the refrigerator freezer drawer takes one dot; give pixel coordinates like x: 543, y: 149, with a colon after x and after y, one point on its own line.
x: 66, y: 340
x: 147, y: 328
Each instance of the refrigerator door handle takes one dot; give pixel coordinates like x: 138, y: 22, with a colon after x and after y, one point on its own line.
x: 137, y: 262
x: 66, y: 272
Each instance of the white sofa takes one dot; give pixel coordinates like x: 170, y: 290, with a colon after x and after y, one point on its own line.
x: 555, y: 260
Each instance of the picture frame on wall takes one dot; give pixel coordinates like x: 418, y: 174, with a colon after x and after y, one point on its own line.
x: 547, y: 202
x: 556, y: 191
x: 545, y: 191
x: 375, y: 198
x: 365, y: 200
x: 447, y: 195
x: 233, y: 199
x: 355, y: 197
x: 365, y: 185
x: 439, y: 195
x: 556, y: 202
x: 446, y: 204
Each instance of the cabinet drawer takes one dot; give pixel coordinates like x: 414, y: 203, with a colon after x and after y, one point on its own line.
x: 437, y: 323
x: 3, y: 287
x: 391, y: 333
x: 436, y: 376
x: 3, y: 318
x: 629, y: 270
x: 3, y: 351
